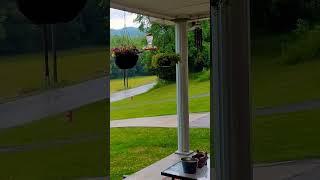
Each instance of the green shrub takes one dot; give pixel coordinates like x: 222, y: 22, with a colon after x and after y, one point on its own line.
x: 304, y: 47
x: 161, y: 83
x: 164, y: 65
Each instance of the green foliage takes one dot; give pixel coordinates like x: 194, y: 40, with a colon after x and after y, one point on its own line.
x: 161, y: 83
x: 282, y: 15
x: 23, y: 73
x: 140, y: 69
x: 303, y: 46
x: 164, y: 65
x: 201, y: 76
x: 18, y: 35
x: 199, y: 59
x: 116, y: 41
x: 164, y: 39
x: 163, y: 35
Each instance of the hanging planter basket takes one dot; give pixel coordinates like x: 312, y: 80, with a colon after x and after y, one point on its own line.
x: 50, y: 11
x: 126, y: 58
x: 126, y: 61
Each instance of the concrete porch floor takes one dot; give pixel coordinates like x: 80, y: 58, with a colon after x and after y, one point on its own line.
x: 291, y: 170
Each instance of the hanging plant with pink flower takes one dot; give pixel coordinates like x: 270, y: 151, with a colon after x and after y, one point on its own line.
x: 126, y: 57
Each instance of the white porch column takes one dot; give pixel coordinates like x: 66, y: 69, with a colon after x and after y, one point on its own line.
x: 182, y: 87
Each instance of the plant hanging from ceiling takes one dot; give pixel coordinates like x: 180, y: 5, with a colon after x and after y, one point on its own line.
x: 126, y: 56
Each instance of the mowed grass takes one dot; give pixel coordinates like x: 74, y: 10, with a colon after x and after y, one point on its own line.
x: 117, y: 84
x: 135, y: 148
x: 83, y: 154
x: 21, y: 74
x: 273, y: 84
x: 280, y: 137
x: 161, y: 101
x: 71, y: 161
x: 287, y: 136
x: 87, y: 121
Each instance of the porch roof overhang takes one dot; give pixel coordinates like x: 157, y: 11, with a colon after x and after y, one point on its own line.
x: 169, y: 10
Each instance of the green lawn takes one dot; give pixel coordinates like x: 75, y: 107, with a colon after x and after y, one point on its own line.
x: 85, y: 159
x: 85, y: 156
x: 135, y: 148
x: 23, y: 74
x: 160, y: 101
x: 280, y: 137
x: 289, y: 136
x: 87, y: 121
x: 273, y: 84
x: 276, y: 84
x: 117, y: 84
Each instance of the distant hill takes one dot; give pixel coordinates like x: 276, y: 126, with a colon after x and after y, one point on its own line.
x: 132, y: 31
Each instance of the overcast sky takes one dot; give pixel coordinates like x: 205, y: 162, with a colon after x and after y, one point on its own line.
x: 117, y: 19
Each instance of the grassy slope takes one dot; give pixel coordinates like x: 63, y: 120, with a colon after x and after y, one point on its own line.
x: 57, y: 127
x: 117, y: 84
x: 160, y: 101
x: 273, y: 84
x: 280, y: 84
x: 293, y: 136
x: 24, y: 73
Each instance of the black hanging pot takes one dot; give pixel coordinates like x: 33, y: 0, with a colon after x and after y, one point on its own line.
x: 126, y: 60
x: 50, y: 11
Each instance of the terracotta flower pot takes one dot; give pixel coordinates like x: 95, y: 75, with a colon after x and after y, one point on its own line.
x: 126, y: 61
x: 50, y: 11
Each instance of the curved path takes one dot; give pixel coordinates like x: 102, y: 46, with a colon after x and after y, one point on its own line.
x: 202, y: 120
x: 117, y: 96
x: 28, y: 109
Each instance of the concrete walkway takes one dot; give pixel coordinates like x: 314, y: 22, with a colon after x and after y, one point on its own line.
x: 117, y: 96
x: 294, y: 170
x: 35, y: 107
x: 27, y: 109
x: 202, y: 120
x: 197, y: 120
x: 294, y: 107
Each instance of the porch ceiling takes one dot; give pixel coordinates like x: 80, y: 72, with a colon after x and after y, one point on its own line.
x: 166, y: 9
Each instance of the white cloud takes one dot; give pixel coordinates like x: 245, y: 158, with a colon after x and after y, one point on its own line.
x: 117, y: 19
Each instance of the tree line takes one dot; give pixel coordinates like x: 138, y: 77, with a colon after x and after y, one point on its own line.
x: 18, y: 35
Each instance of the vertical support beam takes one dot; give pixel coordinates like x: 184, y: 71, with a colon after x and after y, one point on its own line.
x: 231, y: 111
x: 182, y: 87
x: 46, y: 55
x: 54, y: 54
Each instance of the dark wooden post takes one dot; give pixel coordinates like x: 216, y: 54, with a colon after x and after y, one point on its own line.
x: 231, y: 111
